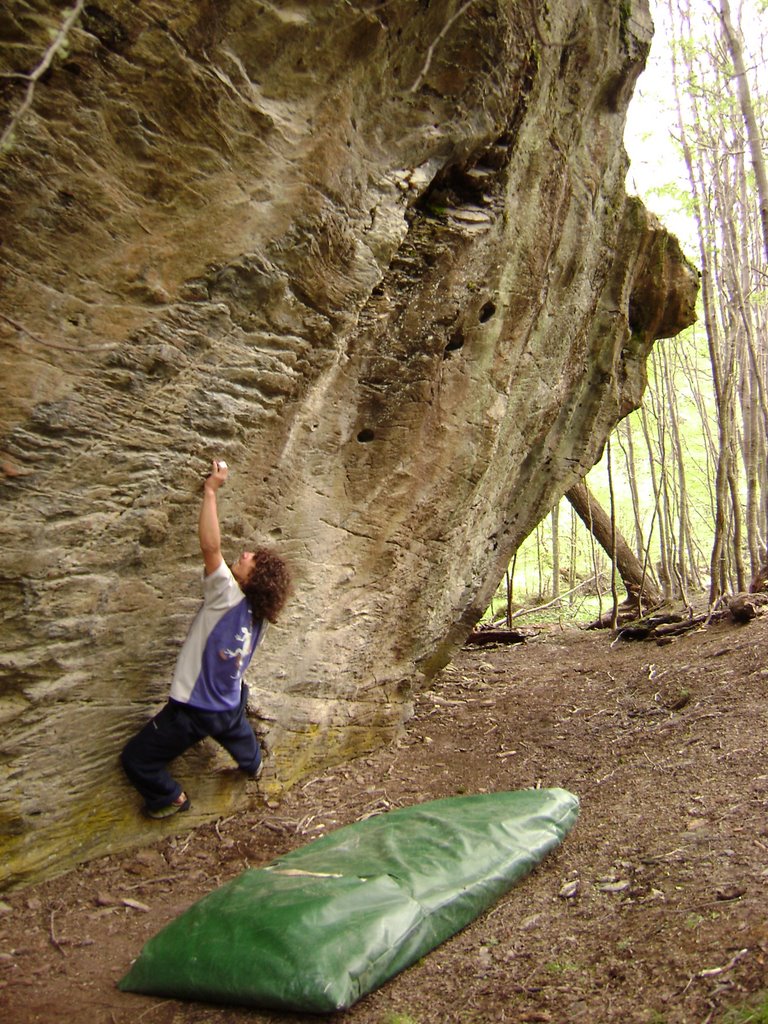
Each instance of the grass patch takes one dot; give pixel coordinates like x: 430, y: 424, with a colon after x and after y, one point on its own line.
x: 561, y: 966
x: 754, y: 1013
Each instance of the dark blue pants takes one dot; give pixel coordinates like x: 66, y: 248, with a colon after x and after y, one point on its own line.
x: 175, y: 729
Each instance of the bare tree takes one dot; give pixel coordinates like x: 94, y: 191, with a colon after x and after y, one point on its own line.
x: 555, y: 520
x: 716, y: 126
x: 754, y: 135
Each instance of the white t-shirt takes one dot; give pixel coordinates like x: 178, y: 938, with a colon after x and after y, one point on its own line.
x: 219, y: 646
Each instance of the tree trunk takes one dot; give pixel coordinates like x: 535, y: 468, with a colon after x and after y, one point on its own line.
x: 595, y: 518
x: 614, y: 535
x: 629, y: 459
x: 663, y: 572
x: 754, y: 135
x: 510, y: 584
x: 556, y: 550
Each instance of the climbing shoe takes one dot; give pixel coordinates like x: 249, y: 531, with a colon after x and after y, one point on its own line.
x: 182, y: 803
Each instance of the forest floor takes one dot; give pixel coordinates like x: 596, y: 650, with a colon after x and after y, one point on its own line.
x: 653, y: 910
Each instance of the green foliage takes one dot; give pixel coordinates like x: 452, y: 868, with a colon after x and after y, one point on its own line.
x: 686, y: 361
x: 62, y: 45
x: 754, y: 1013
x: 436, y: 210
x: 561, y: 966
x: 586, y: 609
x: 625, y: 13
x: 654, y: 1017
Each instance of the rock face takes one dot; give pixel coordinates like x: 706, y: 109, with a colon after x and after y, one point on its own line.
x: 377, y: 256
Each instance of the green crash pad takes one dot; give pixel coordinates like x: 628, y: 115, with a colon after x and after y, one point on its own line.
x: 318, y: 928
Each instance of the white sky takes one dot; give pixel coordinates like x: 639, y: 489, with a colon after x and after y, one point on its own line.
x: 651, y: 119
x: 648, y: 138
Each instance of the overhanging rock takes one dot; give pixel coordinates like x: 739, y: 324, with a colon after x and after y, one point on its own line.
x: 380, y: 258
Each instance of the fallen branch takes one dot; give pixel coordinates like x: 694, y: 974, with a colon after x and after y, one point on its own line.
x: 674, y: 628
x: 714, y: 972
x: 275, y: 826
x: 661, y: 626
x: 497, y: 636
x: 132, y: 904
x: 740, y: 608
x: 693, y: 716
x: 150, y: 881
x: 54, y: 941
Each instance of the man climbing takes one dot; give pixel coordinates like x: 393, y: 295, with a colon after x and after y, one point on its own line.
x: 208, y: 696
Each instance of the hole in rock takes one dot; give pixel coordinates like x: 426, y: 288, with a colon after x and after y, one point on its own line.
x: 365, y: 435
x: 487, y: 312
x: 455, y: 343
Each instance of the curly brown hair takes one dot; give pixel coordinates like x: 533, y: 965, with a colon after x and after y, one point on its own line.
x: 269, y: 585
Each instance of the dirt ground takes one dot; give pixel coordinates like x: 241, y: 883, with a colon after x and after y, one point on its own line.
x: 652, y: 911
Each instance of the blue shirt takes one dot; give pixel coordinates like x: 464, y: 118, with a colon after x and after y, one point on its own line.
x: 218, y: 648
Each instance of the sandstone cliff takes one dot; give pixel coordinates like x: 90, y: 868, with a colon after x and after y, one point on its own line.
x: 378, y: 255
